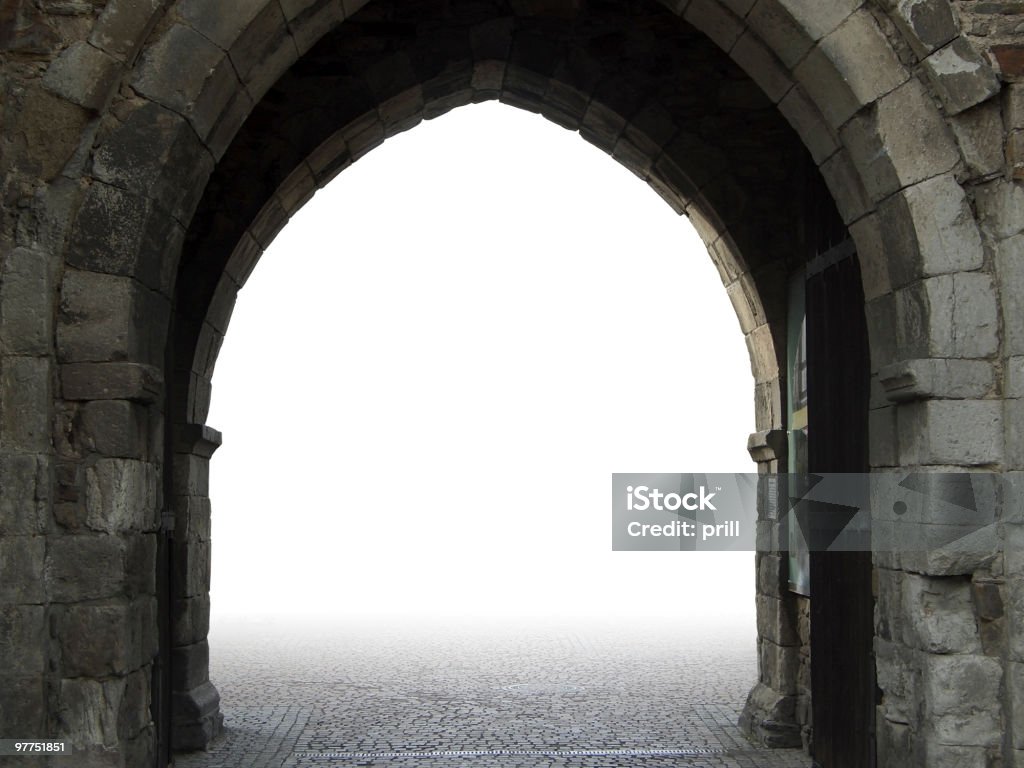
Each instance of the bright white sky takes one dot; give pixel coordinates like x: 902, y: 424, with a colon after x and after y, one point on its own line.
x: 438, y: 364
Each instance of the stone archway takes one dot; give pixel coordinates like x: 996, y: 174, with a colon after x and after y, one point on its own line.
x: 131, y: 132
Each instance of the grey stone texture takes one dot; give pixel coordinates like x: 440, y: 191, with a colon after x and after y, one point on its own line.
x: 151, y: 150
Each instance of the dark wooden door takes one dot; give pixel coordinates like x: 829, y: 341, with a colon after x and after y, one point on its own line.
x: 842, y: 624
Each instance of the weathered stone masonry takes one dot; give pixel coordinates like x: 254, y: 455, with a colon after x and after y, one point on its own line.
x: 152, y: 149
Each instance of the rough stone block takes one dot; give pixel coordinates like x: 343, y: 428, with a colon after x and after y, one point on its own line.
x: 43, y: 113
x: 122, y: 495
x: 885, y: 315
x: 190, y: 620
x: 196, y: 716
x: 929, y: 229
x: 1013, y: 383
x: 25, y: 400
x: 83, y: 75
x: 819, y: 19
x: 1014, y: 589
x: 828, y: 90
x: 601, y: 126
x: 763, y: 362
x: 937, y: 378
x: 951, y: 432
x: 115, y: 428
x: 111, y: 381
x: 844, y: 182
x: 874, y: 262
x: 947, y: 316
x: 89, y: 711
x: 979, y: 132
x: 23, y: 503
x: 1014, y: 419
x: 122, y: 27
x: 960, y: 76
x: 862, y: 63
x: 234, y: 107
x: 21, y: 569
x: 1010, y: 271
x: 1000, y: 208
x: 121, y: 233
x: 882, y: 437
x: 26, y: 320
x: 84, y: 567
x: 264, y: 50
x: 943, y: 615
x: 775, y: 622
x: 402, y: 111
x: 774, y: 24
x: 899, y: 678
x: 114, y: 638
x: 190, y: 665
x: 769, y: 718
x: 245, y: 256
x: 961, y: 699
x: 310, y: 20
x: 155, y: 154
x: 297, y: 189
x: 896, y: 745
x: 988, y: 599
x: 23, y: 639
x: 140, y: 564
x: 900, y: 141
x: 192, y: 517
x: 188, y: 74
x: 23, y: 705
x: 134, y: 722
x: 941, y: 755
x: 191, y: 476
x: 763, y: 67
x: 1015, y: 687
x: 807, y: 120
x: 213, y: 23
x: 715, y: 21
x: 743, y: 296
x: 191, y: 568
x: 101, y: 320
x: 927, y: 24
x: 770, y: 572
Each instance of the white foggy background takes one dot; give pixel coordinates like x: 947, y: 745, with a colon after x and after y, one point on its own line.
x: 434, y: 370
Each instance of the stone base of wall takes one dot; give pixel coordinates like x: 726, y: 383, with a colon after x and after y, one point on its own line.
x: 197, y: 719
x: 769, y: 718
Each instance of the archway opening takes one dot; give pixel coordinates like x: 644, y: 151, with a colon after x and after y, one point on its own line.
x: 431, y: 442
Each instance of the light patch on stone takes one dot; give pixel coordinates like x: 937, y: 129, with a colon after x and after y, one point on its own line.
x: 948, y: 62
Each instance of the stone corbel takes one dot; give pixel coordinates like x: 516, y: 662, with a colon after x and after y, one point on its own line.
x: 196, y: 439
x: 929, y: 378
x: 767, y: 445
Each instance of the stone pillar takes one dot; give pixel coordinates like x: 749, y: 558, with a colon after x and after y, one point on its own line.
x: 195, y: 703
x: 101, y: 570
x: 776, y: 710
x: 940, y: 642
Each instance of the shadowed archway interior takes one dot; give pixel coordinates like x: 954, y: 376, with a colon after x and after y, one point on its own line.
x: 635, y: 80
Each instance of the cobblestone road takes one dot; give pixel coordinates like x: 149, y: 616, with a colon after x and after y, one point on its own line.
x: 503, y: 695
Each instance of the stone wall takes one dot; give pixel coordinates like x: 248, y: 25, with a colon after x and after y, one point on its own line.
x: 130, y: 129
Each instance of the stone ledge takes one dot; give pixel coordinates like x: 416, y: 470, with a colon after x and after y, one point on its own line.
x: 767, y: 445
x: 926, y: 379
x: 111, y: 381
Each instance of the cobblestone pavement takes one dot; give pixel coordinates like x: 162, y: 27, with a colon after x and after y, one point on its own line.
x: 506, y: 695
